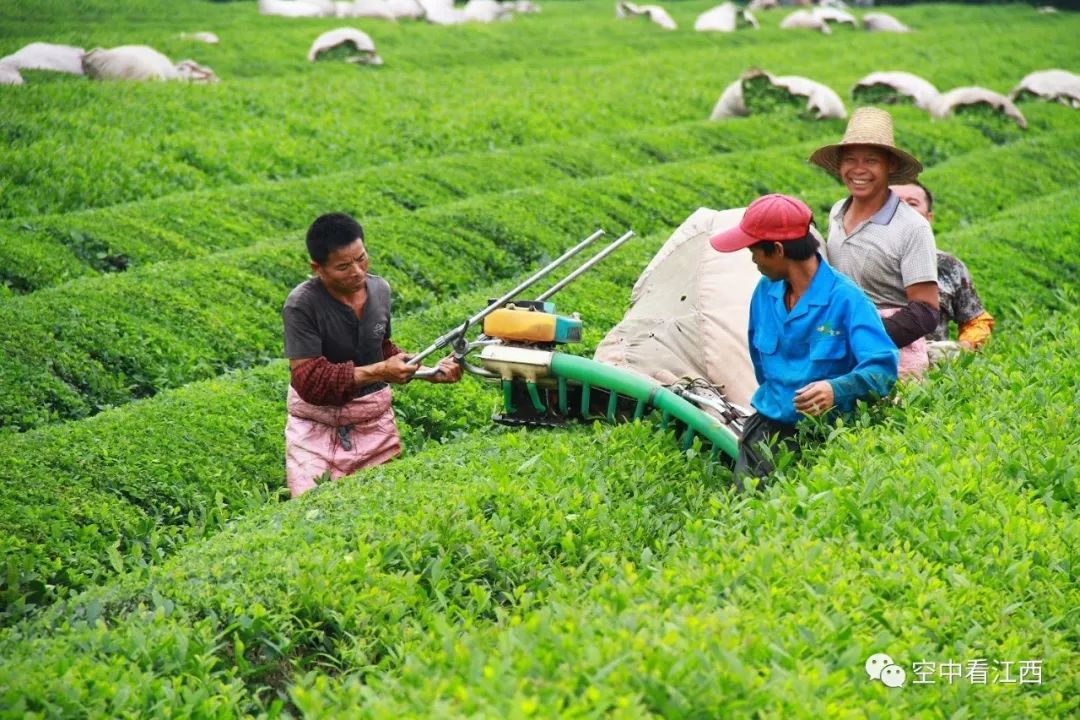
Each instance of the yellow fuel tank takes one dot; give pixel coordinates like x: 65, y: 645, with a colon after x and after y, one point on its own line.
x: 523, y: 325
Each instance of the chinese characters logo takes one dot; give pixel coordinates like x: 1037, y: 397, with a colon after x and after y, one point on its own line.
x: 980, y: 671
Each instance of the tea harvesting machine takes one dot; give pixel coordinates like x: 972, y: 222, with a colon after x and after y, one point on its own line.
x: 519, y: 349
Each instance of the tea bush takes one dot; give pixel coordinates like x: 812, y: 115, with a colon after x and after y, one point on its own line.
x: 475, y: 549
x: 84, y: 500
x: 575, y: 573
x: 74, y: 349
x: 49, y: 249
x: 443, y: 91
x: 149, y: 233
x: 1031, y: 246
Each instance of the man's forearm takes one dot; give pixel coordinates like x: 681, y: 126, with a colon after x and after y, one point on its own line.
x: 873, y: 379
x: 367, y: 374
x: 910, y: 323
x: 321, y: 382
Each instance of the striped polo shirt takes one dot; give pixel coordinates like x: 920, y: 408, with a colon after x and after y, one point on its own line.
x: 884, y: 254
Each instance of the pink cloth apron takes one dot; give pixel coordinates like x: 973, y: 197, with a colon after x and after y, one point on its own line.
x: 913, y: 358
x: 322, y: 439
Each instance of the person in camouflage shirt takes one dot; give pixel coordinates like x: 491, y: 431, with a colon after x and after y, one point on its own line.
x: 960, y: 302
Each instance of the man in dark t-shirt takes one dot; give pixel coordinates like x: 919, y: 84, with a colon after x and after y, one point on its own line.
x: 342, y: 361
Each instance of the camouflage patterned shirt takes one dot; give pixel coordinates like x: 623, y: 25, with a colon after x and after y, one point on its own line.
x: 959, y: 301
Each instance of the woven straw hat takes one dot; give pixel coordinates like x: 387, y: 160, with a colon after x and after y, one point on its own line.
x: 869, y: 126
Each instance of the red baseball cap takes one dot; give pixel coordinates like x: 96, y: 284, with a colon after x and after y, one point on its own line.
x: 770, y: 217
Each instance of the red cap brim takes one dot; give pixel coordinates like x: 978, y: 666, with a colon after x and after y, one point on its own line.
x: 731, y: 240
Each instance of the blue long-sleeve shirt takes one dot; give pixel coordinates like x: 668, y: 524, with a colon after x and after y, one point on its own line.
x: 833, y: 333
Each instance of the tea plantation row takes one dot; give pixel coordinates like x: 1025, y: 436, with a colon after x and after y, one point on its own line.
x: 49, y: 249
x: 599, y: 571
x: 148, y: 234
x: 46, y: 250
x: 74, y: 349
x: 461, y: 89
x: 105, y: 493
x: 82, y: 500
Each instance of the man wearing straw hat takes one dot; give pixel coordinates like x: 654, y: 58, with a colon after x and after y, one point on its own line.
x: 881, y: 243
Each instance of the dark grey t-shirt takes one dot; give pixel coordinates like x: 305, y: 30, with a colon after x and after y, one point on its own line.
x: 959, y: 301
x: 317, y: 324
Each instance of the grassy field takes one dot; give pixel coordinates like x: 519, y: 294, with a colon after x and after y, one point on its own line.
x: 150, y: 232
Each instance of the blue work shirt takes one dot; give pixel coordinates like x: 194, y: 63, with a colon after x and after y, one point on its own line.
x: 833, y: 333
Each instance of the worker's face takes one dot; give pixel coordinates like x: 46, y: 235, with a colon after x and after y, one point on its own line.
x: 345, y: 269
x: 914, y: 196
x: 865, y: 170
x: 771, y: 266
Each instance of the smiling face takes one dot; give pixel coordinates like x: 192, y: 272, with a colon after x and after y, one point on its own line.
x: 865, y: 171
x: 345, y: 270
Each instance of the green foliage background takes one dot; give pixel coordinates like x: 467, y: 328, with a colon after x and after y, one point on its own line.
x: 150, y: 232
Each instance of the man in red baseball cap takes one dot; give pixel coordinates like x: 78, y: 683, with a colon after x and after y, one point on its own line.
x: 816, y: 341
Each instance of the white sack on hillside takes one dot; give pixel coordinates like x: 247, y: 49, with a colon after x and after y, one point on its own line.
x: 922, y: 93
x: 731, y: 103
x: 442, y: 12
x: 485, y: 11
x: 375, y: 9
x: 405, y: 9
x: 723, y: 18
x: 202, y: 36
x: 820, y: 99
x: 9, y: 75
x: 47, y: 56
x: 805, y: 20
x: 1046, y: 9
x: 833, y: 15
x: 141, y: 62
x: 378, y: 9
x: 966, y: 96
x: 654, y: 13
x: 881, y: 22
x: 1060, y: 85
x: 295, y: 8
x: 688, y: 312
x: 523, y: 7
x: 190, y: 71
x: 720, y: 19
x: 360, y: 42
x: 763, y: 5
x: 128, y: 62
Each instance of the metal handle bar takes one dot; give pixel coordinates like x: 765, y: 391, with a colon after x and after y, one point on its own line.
x: 449, y: 337
x: 585, y: 266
